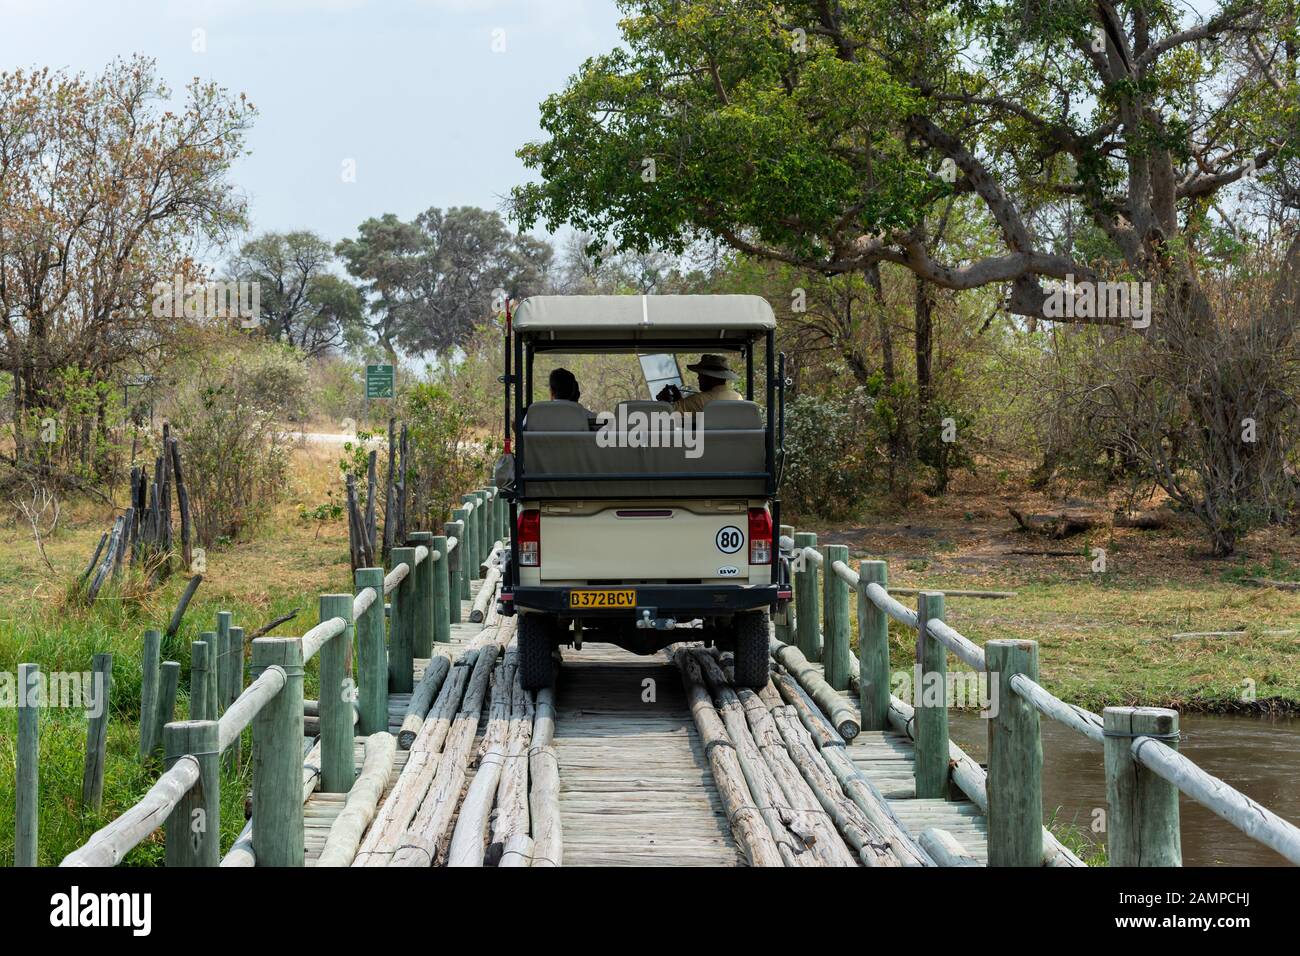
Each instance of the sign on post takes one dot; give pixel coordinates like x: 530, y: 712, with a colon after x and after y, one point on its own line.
x: 379, y: 381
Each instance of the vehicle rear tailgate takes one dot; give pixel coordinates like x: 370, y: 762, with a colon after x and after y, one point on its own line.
x: 633, y: 543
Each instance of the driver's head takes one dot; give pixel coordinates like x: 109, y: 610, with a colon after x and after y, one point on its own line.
x: 708, y: 381
x: 564, y: 386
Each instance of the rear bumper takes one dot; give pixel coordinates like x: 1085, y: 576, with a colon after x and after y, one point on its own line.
x: 683, y: 601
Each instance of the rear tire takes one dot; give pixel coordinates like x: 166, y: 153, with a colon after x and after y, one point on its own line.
x: 751, y: 649
x: 536, y: 644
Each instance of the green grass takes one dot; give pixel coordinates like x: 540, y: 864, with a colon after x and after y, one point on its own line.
x: 1076, y: 838
x: 287, y: 566
x: 1106, y: 639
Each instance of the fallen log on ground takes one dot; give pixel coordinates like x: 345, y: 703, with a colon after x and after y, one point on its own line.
x: 425, y: 839
x: 789, y: 810
x: 841, y: 713
x: 486, y: 595
x: 468, y: 839
x: 747, y: 823
x: 363, y: 800
x: 183, y: 603
x: 1064, y: 524
x: 518, y: 851
x: 403, y: 801
x: 511, y: 819
x: 544, y: 806
x: 422, y: 699
x: 855, y: 784
x: 944, y: 848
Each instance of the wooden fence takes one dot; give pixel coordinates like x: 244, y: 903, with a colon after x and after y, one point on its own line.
x: 428, y: 579
x: 1144, y: 770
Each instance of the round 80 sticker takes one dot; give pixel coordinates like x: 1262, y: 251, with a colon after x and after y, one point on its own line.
x: 730, y: 539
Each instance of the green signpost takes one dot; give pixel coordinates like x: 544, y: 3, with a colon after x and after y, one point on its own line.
x: 379, y: 381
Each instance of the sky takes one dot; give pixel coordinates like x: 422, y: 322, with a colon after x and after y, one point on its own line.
x: 428, y: 99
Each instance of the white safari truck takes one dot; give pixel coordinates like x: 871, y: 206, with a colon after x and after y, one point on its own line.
x: 639, y: 525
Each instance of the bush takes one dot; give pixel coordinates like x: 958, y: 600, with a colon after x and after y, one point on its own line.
x: 831, y: 454
x: 444, y: 457
x: 229, y: 410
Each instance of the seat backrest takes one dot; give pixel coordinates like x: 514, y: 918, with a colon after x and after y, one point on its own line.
x: 644, y: 406
x: 555, y: 416
x: 732, y: 415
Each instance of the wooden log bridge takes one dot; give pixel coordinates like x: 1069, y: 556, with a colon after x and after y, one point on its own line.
x: 428, y: 752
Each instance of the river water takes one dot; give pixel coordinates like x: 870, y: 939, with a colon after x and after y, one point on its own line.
x: 1257, y: 755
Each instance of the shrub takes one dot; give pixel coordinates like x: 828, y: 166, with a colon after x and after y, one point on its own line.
x: 444, y: 457
x: 229, y: 410
x: 830, y: 454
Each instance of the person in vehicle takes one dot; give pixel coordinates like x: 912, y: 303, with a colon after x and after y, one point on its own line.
x: 565, y: 388
x: 714, y: 376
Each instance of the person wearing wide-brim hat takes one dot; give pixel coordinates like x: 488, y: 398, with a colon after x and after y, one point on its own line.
x: 714, y: 375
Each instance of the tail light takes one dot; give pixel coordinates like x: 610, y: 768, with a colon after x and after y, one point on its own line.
x: 530, y: 538
x: 760, y: 536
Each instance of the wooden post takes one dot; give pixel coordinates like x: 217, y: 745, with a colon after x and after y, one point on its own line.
x: 807, y: 618
x: 835, y: 605
x: 873, y: 648
x: 169, y: 682
x: 785, y: 630
x: 234, y: 755
x: 149, y: 690
x: 1015, y: 781
x: 485, y: 526
x: 193, y: 828
x: 441, y: 592
x: 930, y: 692
x: 372, y: 696
x: 337, y: 696
x: 1142, y: 827
x: 199, y: 682
x: 222, y: 662
x: 92, y: 777
x: 458, y: 527
x: 493, y: 527
x: 469, y: 560
x: 401, y: 656
x: 277, y: 758
x: 484, y: 531
x: 422, y: 639
x: 27, y: 800
x: 236, y: 662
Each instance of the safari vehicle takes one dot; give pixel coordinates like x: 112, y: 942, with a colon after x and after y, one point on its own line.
x: 633, y: 526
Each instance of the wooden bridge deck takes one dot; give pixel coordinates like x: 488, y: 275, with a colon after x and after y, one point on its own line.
x: 635, y: 785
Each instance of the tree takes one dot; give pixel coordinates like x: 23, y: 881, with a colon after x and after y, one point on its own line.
x: 430, y: 281
x: 387, y: 258
x: 820, y: 134
x: 1092, y: 135
x: 302, y: 303
x: 103, y: 192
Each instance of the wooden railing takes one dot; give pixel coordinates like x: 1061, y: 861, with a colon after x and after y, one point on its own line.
x: 1144, y: 770
x: 428, y: 580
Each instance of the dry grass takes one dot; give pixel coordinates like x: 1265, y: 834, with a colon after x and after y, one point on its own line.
x: 1105, y: 638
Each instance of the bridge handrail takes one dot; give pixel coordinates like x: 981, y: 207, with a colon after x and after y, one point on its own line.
x: 1257, y: 822
x: 108, y: 845
x: 1236, y: 808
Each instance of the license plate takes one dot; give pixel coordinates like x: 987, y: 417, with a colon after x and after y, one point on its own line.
x: 602, y: 599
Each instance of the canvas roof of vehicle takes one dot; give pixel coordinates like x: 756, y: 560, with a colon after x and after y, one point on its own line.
x: 639, y: 317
